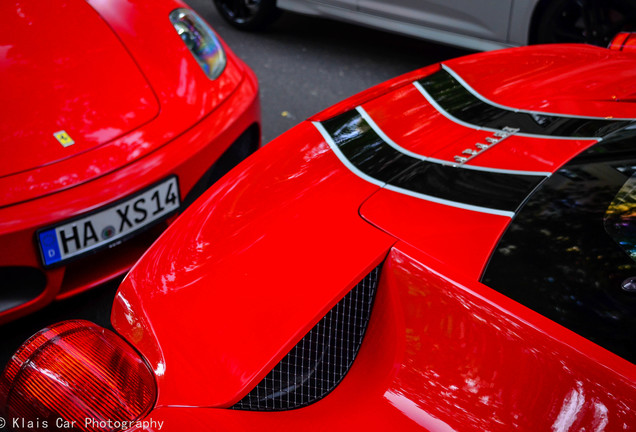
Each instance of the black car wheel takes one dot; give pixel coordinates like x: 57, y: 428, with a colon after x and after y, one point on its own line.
x: 594, y: 22
x: 248, y: 14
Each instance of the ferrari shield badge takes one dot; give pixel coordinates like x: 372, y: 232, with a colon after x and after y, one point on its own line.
x: 63, y: 138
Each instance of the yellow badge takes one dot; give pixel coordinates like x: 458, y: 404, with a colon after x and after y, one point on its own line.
x: 63, y: 138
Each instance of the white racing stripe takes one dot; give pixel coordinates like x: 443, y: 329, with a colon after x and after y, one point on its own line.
x: 507, y: 108
x: 356, y: 171
x: 365, y: 115
x: 449, y: 116
x: 451, y: 203
x: 343, y: 159
x: 386, y: 139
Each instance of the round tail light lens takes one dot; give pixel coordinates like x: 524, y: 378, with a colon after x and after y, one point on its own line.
x: 76, y: 375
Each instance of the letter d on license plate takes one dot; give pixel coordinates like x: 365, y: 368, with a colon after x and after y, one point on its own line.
x: 108, y: 225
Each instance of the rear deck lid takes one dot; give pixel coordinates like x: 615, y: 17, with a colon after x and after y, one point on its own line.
x: 455, y: 164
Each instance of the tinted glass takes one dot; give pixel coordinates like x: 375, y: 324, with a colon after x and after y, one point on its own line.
x: 568, y: 254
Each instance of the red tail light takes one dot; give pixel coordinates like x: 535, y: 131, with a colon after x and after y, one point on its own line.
x: 76, y: 371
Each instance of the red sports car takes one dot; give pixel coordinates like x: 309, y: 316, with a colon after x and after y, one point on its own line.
x: 116, y: 114
x: 452, y: 250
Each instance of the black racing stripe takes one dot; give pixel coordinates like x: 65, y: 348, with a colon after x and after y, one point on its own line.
x: 365, y: 149
x: 478, y: 188
x: 459, y: 102
x: 362, y: 146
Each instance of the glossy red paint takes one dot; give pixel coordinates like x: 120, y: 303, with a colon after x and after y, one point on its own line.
x: 240, y: 277
x: 619, y: 40
x: 307, y: 204
x: 184, y: 93
x: 547, y: 79
x: 624, y: 41
x: 95, y: 97
x: 415, y: 125
x: 197, y: 121
x: 441, y: 231
x: 280, y: 240
x: 451, y: 355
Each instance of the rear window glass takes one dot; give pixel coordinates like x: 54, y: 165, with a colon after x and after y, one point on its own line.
x: 620, y: 217
x: 570, y: 253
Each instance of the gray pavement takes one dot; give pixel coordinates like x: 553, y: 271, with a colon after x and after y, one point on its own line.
x: 306, y: 64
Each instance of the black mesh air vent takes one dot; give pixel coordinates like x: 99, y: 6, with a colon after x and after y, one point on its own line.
x: 321, y: 359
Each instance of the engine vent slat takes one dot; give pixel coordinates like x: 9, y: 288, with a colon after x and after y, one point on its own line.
x: 317, y: 364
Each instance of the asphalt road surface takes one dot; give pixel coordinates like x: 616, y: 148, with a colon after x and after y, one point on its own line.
x: 304, y: 65
x: 307, y: 64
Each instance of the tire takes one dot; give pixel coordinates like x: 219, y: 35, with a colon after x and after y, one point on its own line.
x: 249, y: 15
x: 595, y: 22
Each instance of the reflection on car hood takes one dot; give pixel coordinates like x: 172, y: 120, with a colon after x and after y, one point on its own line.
x: 67, y: 84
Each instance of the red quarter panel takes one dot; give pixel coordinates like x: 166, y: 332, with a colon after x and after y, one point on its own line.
x: 270, y: 249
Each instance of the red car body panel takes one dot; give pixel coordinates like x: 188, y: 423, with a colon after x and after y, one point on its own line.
x: 401, y: 216
x: 547, y: 79
x: 276, y: 243
x: 190, y: 121
x: 243, y: 226
x: 183, y: 91
x: 452, y: 355
x: 417, y: 127
x: 104, y: 93
x: 105, y: 159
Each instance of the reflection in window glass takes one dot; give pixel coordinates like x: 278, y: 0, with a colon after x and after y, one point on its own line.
x: 570, y: 252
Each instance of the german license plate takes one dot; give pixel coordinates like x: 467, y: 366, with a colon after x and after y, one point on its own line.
x: 108, y: 225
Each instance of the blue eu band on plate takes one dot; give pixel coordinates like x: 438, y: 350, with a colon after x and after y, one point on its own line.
x: 108, y: 225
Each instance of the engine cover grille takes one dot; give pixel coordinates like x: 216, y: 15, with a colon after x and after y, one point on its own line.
x: 316, y: 365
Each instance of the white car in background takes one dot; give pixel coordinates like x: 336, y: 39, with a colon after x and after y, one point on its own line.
x: 473, y: 24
